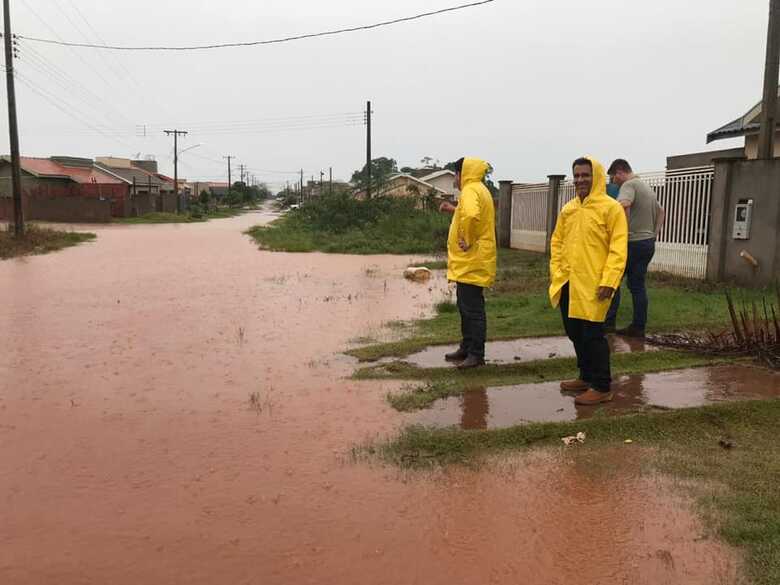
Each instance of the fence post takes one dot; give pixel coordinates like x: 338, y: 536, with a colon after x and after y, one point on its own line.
x: 721, y: 202
x: 553, y: 198
x: 504, y: 214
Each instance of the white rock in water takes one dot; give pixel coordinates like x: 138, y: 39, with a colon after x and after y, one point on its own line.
x: 419, y: 273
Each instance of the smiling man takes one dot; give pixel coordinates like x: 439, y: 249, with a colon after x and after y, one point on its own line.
x: 587, y: 259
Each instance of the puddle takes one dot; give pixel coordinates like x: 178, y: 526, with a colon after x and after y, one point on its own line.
x: 513, y: 405
x: 522, y: 350
x: 132, y: 452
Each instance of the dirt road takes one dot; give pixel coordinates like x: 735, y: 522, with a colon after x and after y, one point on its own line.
x: 131, y: 453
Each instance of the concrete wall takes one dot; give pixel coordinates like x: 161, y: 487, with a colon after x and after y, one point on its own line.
x: 65, y: 209
x: 758, y: 180
x: 751, y: 145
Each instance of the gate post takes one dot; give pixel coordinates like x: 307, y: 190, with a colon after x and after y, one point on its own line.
x: 553, y: 198
x: 504, y: 214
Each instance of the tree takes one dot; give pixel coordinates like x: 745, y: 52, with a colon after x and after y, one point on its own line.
x: 426, y: 161
x: 381, y: 169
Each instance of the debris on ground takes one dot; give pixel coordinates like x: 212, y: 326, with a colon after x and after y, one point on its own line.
x: 628, y: 441
x: 573, y: 440
x: 418, y: 273
x: 727, y: 444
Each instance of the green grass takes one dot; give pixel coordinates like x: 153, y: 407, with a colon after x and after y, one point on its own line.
x: 444, y: 382
x: 38, y: 240
x: 163, y: 217
x: 340, y: 224
x: 736, y: 490
x: 518, y: 307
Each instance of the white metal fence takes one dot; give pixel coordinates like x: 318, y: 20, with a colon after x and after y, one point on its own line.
x: 685, y: 195
x: 529, y: 217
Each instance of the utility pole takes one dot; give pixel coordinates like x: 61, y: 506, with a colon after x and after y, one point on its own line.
x: 13, y: 127
x: 241, y: 170
x: 229, y: 158
x: 330, y: 180
x: 176, y: 134
x: 301, y: 201
x: 766, y: 139
x: 322, y: 178
x: 368, y: 150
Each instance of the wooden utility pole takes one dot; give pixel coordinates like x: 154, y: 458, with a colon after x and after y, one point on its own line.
x: 301, y: 198
x: 766, y: 139
x: 322, y: 179
x: 176, y: 134
x: 330, y: 180
x: 368, y: 150
x: 229, y: 158
x: 13, y: 127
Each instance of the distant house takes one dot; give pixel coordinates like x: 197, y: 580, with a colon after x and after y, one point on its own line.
x: 443, y: 179
x: 406, y: 185
x: 65, y: 176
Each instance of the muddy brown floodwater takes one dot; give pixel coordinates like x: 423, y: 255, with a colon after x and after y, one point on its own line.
x: 132, y: 453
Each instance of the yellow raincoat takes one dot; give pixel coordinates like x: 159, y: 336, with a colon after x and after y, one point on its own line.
x: 589, y: 249
x: 475, y: 222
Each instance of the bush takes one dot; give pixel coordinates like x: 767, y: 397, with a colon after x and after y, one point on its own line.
x: 340, y: 223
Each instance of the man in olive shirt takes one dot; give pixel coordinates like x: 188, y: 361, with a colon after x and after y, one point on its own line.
x: 645, y: 220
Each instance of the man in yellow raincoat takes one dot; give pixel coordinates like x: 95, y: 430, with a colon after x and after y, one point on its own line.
x: 471, y: 258
x: 588, y: 253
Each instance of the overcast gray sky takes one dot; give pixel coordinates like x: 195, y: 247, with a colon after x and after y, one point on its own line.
x: 526, y: 84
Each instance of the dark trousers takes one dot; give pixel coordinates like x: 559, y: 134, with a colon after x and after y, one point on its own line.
x: 591, y: 346
x: 640, y: 254
x: 473, y: 321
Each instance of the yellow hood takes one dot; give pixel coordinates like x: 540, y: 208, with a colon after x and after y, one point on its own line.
x: 599, y: 178
x: 474, y: 170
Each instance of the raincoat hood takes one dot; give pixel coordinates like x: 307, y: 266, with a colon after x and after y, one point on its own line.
x: 599, y: 186
x: 474, y: 170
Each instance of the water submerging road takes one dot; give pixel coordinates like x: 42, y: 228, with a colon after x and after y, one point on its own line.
x: 131, y: 453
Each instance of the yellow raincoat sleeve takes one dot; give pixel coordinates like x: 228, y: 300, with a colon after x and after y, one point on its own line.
x: 470, y: 215
x: 556, y: 247
x: 617, y: 227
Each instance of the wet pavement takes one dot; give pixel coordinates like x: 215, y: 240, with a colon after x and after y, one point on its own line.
x: 507, y: 406
x: 521, y: 350
x: 174, y: 409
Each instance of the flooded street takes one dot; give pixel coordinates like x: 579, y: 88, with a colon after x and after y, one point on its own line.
x: 174, y: 409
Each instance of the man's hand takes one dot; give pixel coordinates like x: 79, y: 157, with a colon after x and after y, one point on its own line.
x: 605, y: 293
x: 447, y: 207
x: 463, y: 245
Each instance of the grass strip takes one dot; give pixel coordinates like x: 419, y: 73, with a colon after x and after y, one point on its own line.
x: 38, y: 240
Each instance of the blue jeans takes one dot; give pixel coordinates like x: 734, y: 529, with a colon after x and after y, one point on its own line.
x: 639, y: 256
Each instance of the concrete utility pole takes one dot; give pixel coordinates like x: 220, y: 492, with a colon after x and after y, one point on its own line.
x: 301, y: 201
x: 13, y: 127
x: 229, y: 158
x: 241, y: 170
x: 766, y: 139
x: 330, y: 180
x: 176, y: 134
x: 368, y: 150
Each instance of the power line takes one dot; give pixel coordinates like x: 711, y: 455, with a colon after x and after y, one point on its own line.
x: 257, y: 43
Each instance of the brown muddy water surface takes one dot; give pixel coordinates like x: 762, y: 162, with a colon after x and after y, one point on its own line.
x: 132, y: 452
x: 506, y: 406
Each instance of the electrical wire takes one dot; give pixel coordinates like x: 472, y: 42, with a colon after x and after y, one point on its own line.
x: 105, y: 46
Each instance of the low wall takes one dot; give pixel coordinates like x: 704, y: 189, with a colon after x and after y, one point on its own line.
x: 61, y: 209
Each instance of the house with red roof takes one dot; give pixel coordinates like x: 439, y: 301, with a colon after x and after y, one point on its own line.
x: 66, y: 177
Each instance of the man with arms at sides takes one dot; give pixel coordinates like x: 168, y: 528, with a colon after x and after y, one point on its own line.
x: 471, y: 257
x: 588, y: 253
x: 645, y: 221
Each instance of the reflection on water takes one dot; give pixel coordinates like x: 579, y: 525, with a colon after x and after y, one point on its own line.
x: 525, y: 350
x: 508, y: 406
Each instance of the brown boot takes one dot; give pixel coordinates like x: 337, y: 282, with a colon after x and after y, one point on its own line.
x: 593, y: 397
x: 575, y: 385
